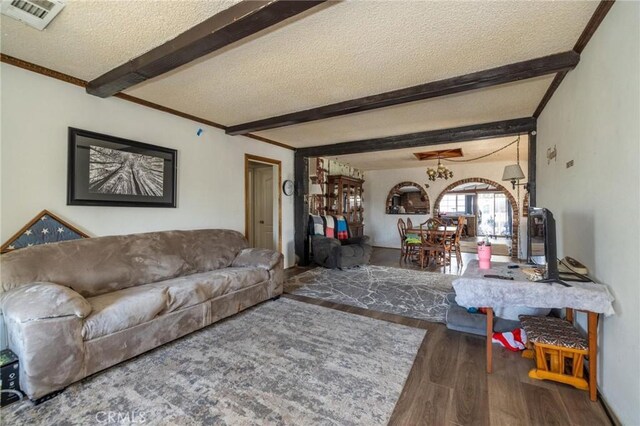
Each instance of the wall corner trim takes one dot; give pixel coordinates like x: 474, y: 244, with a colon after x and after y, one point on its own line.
x: 29, y: 66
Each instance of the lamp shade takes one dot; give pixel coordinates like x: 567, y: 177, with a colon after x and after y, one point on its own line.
x: 315, y: 189
x: 512, y: 172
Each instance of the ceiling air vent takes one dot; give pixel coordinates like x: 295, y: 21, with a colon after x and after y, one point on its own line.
x: 35, y: 13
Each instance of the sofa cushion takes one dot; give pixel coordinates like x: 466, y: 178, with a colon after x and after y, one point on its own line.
x: 127, y: 308
x: 123, y: 309
x: 353, y: 250
x: 257, y: 257
x: 190, y: 290
x: 95, y: 266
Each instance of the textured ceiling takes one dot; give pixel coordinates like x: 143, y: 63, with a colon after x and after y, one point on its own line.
x: 90, y: 37
x: 404, y: 158
x: 513, y: 100
x: 328, y: 54
x: 360, y: 48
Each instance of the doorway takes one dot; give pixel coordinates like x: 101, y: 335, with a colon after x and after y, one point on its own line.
x: 490, y: 211
x: 263, y: 203
x: 495, y: 213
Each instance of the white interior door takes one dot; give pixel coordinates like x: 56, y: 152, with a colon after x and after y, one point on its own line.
x: 263, y: 207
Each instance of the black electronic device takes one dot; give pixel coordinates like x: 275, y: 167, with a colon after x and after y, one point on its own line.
x: 542, y: 244
x: 9, y: 378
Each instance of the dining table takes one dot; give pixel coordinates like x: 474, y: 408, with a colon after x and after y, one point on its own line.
x: 435, y: 232
x: 414, y: 230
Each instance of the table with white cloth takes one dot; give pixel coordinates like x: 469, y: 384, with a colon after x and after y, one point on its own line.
x: 474, y: 289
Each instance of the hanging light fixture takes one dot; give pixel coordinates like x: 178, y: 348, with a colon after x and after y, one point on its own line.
x: 440, y: 172
x: 513, y: 172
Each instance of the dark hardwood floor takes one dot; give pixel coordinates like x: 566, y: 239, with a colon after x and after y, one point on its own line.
x: 448, y: 385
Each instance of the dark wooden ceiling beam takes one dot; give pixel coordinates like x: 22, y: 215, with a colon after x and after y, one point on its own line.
x: 477, y: 80
x: 235, y: 23
x: 431, y: 137
x: 593, y: 24
x: 549, y: 93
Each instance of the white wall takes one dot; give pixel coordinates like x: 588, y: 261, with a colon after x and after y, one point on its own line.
x: 382, y: 227
x: 593, y: 119
x: 36, y: 111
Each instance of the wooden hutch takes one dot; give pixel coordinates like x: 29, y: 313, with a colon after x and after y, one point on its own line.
x: 345, y: 198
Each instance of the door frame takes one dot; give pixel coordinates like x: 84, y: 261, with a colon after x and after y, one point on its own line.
x: 515, y: 218
x: 249, y: 158
x: 509, y: 212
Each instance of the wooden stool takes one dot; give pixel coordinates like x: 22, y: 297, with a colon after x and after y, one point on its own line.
x: 559, y: 350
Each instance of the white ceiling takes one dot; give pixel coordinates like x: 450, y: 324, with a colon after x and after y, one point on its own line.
x: 504, y: 102
x: 90, y: 37
x: 404, y: 158
x: 328, y: 54
x: 361, y: 48
x: 473, y: 187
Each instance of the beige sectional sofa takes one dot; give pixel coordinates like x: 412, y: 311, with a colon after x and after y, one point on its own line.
x: 78, y: 307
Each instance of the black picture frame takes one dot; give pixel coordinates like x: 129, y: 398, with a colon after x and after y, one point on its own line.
x: 149, y: 178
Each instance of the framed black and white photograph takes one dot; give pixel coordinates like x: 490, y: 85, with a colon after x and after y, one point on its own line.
x: 110, y: 171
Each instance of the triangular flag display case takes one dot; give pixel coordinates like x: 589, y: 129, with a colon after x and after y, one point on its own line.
x: 45, y: 228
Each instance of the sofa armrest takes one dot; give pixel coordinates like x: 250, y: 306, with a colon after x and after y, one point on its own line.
x: 326, y: 251
x: 361, y: 241
x: 325, y: 242
x: 261, y: 258
x: 42, y: 300
x: 44, y: 328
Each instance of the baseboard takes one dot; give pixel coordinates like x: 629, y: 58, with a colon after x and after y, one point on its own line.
x: 605, y: 405
x: 608, y: 410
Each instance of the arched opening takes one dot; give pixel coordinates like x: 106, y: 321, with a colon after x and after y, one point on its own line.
x: 489, y: 208
x: 407, y: 198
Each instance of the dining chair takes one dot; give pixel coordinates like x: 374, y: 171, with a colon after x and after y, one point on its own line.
x: 433, y: 236
x: 445, y: 237
x: 409, y: 223
x: 402, y: 231
x: 407, y: 248
x: 431, y: 223
x: 456, y: 240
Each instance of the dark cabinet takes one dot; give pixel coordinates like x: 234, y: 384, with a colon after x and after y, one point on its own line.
x: 345, y: 198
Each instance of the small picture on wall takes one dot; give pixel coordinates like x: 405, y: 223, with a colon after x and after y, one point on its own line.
x: 109, y: 171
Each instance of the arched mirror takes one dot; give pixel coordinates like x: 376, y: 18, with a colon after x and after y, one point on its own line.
x: 407, y: 198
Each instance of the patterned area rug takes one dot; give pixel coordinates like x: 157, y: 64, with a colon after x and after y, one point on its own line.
x: 282, y: 362
x: 410, y: 293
